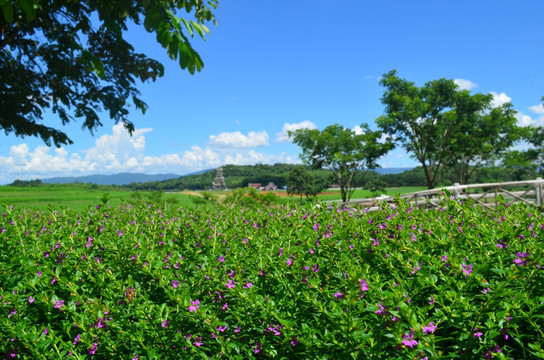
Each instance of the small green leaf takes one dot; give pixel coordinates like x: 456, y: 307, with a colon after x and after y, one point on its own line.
x: 29, y: 7
x: 7, y: 9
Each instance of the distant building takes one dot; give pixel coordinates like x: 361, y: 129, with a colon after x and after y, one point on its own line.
x: 271, y: 187
x: 219, y: 181
x: 254, y: 185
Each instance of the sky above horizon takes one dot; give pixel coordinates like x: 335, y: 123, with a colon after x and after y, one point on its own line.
x: 308, y: 63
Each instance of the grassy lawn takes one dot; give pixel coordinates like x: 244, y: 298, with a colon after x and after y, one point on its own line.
x: 81, y: 197
x: 76, y: 198
x: 329, y: 195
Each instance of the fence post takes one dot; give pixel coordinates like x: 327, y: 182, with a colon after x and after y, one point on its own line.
x: 456, y: 191
x: 538, y: 191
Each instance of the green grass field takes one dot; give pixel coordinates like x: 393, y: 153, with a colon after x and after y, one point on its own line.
x: 79, y: 197
x: 363, y: 194
x: 76, y: 198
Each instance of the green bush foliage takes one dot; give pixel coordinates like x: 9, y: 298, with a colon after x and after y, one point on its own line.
x: 149, y: 282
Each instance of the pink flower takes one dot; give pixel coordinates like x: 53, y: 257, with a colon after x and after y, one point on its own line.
x: 429, y: 329
x: 408, y: 340
x: 364, y: 285
x: 93, y: 348
x: 194, y: 305
x: 59, y: 304
x: 175, y: 283
x: 522, y: 259
x: 230, y: 284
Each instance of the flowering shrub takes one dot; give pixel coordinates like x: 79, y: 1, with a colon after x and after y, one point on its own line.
x: 148, y: 283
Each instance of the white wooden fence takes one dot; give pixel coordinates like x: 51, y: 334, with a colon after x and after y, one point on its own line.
x: 486, y: 195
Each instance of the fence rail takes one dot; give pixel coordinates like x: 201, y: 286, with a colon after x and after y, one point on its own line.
x: 486, y: 195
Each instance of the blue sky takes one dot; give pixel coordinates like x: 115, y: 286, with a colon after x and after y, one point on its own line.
x: 271, y: 66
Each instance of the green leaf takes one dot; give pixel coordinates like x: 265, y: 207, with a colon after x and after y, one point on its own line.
x: 29, y: 7
x: 7, y: 9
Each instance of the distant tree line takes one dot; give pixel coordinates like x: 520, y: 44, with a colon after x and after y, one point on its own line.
x: 238, y: 176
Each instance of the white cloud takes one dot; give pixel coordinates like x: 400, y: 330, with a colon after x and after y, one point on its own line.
x: 537, y: 109
x: 465, y: 84
x: 118, y: 152
x: 500, y: 99
x: 524, y: 120
x: 238, y: 140
x: 252, y: 157
x: 283, y: 136
x: 358, y: 130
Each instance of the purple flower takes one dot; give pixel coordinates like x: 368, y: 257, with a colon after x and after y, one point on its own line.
x: 194, y: 305
x: 164, y: 323
x: 199, y: 342
x: 221, y: 328
x: 477, y: 334
x: 175, y: 283
x: 383, y: 310
x: 409, y: 340
x: 429, y: 329
x: 221, y: 258
x: 93, y: 348
x: 248, y: 285
x: 295, y: 341
x: 467, y: 269
x: 78, y: 336
x: 230, y: 284
x: 59, y: 304
x: 45, y: 331
x: 522, y: 259
x: 30, y: 299
x: 364, y: 285
x: 494, y: 350
x: 339, y: 295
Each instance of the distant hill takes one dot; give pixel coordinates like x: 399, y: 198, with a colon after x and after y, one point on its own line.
x: 386, y: 171
x: 115, y: 179
x: 236, y: 176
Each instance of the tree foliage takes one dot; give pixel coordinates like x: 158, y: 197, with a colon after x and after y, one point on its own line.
x: 342, y: 151
x: 301, y: 182
x: 70, y: 56
x: 441, y: 125
x: 530, y: 160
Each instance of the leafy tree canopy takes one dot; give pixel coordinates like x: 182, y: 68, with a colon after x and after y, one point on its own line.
x: 53, y: 56
x: 301, y: 182
x: 441, y: 125
x: 342, y: 151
